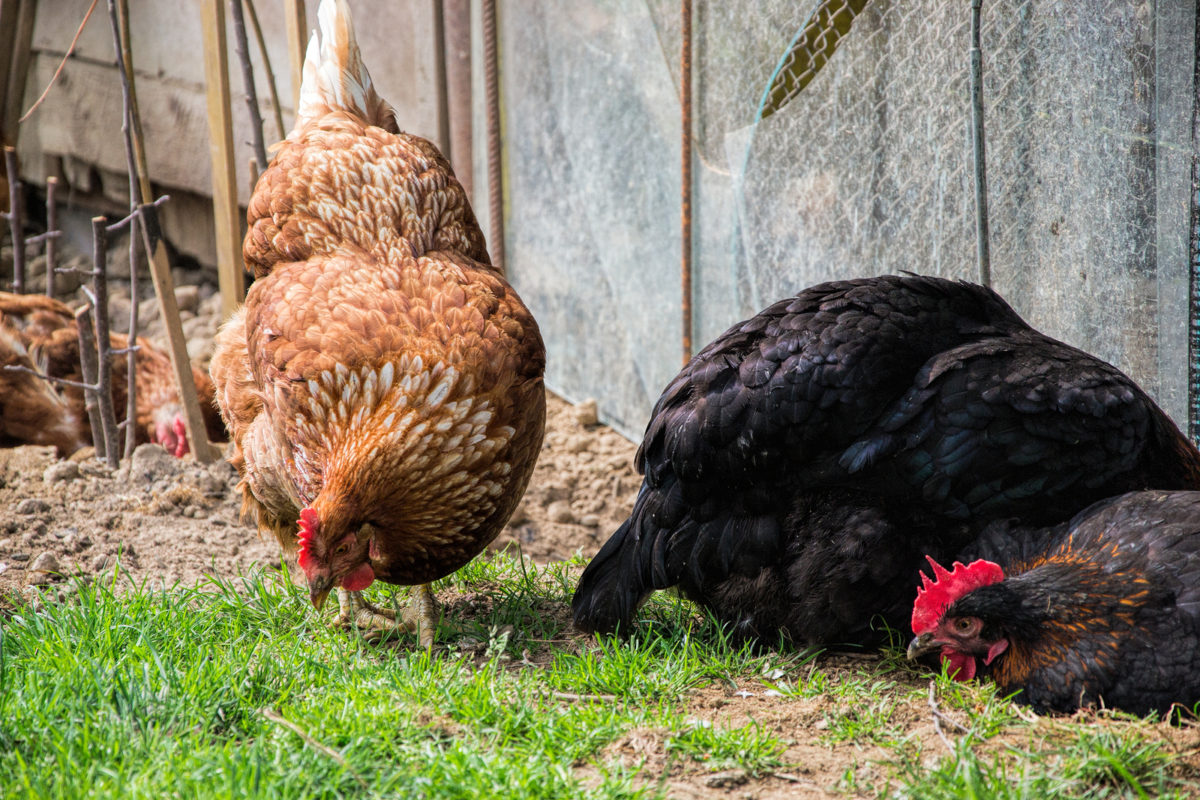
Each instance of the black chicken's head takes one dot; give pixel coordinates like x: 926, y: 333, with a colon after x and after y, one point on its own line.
x: 959, y: 615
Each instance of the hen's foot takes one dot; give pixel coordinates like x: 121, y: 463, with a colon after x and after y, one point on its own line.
x: 375, y: 621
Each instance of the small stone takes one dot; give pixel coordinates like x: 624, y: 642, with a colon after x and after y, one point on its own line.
x: 191, y: 511
x: 586, y: 413
x: 46, y: 562
x: 63, y: 533
x: 560, y: 511
x: 92, y: 468
x: 589, y: 521
x: 727, y: 780
x: 22, y: 557
x: 61, y: 471
x: 579, y: 444
x: 101, y: 562
x: 187, y: 297
x: 151, y: 462
x: 77, y: 542
x: 32, y: 505
x: 37, y: 579
x: 6, y: 544
x: 219, y: 521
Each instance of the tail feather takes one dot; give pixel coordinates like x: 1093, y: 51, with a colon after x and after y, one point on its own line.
x: 334, y: 75
x: 612, y: 586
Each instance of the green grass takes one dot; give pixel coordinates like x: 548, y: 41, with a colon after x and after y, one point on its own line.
x: 238, y: 689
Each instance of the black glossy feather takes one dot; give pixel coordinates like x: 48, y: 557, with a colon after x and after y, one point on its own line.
x: 801, y: 465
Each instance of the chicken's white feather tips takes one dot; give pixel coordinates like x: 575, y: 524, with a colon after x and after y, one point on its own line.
x: 334, y: 77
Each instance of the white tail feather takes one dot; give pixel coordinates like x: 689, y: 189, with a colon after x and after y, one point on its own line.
x: 334, y: 75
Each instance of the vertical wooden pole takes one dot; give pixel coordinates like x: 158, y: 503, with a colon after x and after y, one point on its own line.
x: 16, y: 218
x: 220, y: 127
x: 15, y: 51
x: 160, y: 271
x: 108, y: 413
x: 685, y: 175
x: 51, y: 227
x: 297, y: 37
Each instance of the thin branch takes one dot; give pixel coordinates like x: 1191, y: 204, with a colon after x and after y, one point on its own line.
x: 62, y: 64
x: 573, y: 696
x: 47, y: 237
x: 50, y: 378
x: 108, y: 414
x: 15, y: 222
x: 279, y: 719
x: 939, y: 717
x: 266, y: 60
x: 52, y: 228
x: 121, y: 223
x: 242, y: 48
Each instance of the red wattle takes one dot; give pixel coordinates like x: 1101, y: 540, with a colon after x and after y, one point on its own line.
x: 960, y: 666
x: 362, y: 577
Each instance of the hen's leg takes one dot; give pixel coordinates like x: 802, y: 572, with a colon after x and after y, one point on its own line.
x: 419, y: 618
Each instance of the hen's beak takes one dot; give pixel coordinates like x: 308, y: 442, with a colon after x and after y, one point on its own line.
x: 922, y: 645
x: 318, y: 590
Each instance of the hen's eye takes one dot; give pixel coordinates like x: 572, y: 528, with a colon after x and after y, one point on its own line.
x: 342, y: 549
x: 962, y: 625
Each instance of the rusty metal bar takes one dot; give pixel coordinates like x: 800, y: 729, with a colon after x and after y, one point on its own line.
x: 981, y: 200
x: 491, y: 83
x: 456, y: 17
x: 685, y: 175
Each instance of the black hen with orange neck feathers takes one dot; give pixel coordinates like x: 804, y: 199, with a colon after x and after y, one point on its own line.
x: 1102, y: 611
x: 800, y: 467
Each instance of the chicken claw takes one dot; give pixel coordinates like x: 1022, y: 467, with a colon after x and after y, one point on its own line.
x: 375, y: 621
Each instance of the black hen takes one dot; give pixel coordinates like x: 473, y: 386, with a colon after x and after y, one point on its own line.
x: 799, y: 468
x: 1103, y: 611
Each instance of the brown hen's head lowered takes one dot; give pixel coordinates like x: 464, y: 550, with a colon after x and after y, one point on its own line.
x: 383, y: 382
x: 1104, y: 610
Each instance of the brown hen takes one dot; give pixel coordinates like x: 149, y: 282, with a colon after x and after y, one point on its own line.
x: 40, y: 332
x: 383, y: 382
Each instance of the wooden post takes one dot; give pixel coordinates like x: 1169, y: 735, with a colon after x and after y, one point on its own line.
x: 230, y: 273
x: 15, y: 45
x: 51, y: 226
x: 160, y: 271
x: 103, y: 383
x: 87, y: 362
x: 297, y: 37
x: 16, y: 218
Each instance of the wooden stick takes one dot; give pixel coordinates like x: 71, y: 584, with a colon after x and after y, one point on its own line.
x: 19, y: 56
x: 51, y: 227
x: 15, y: 218
x: 139, y: 188
x: 266, y: 60
x: 279, y: 719
x: 297, y: 38
x: 160, y: 271
x: 242, y: 48
x: 230, y: 273
x: 87, y: 361
x: 108, y: 414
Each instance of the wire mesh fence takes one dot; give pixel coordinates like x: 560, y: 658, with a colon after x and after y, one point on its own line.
x: 865, y: 168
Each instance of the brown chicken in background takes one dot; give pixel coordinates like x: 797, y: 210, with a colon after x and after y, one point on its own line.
x: 382, y: 382
x: 41, y: 333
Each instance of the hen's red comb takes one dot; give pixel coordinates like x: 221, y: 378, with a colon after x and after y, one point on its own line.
x: 935, y: 596
x: 309, y: 524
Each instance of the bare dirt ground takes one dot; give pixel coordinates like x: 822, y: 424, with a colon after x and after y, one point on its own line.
x: 173, y: 520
